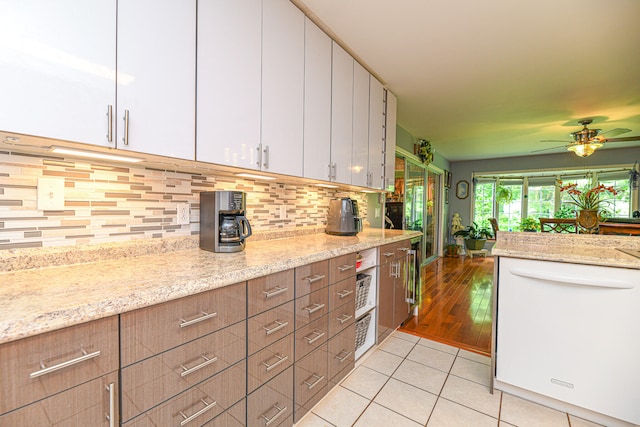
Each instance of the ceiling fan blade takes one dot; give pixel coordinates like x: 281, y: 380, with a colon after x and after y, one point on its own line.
x: 623, y: 139
x: 547, y: 149
x: 556, y: 140
x: 615, y: 132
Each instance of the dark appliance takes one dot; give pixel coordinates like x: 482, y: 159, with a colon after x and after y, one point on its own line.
x: 223, y: 225
x: 394, y: 212
x: 343, y: 219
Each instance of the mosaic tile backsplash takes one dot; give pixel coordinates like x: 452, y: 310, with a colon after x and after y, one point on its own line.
x: 111, y: 202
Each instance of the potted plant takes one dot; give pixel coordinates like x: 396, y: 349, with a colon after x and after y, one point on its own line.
x: 475, y: 237
x: 529, y: 224
x: 451, y: 250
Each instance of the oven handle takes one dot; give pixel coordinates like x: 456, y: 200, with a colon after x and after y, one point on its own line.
x: 562, y: 279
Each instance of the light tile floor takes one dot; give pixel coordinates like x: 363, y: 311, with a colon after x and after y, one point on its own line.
x: 410, y: 381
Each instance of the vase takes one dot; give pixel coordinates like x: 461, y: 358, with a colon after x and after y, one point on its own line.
x: 588, y: 220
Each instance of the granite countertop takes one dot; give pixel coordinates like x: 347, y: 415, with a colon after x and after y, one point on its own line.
x: 570, y: 248
x: 42, y: 299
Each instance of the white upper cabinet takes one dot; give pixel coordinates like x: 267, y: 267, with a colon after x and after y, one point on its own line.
x: 360, y: 143
x: 390, y: 140
x: 282, y: 87
x: 156, y: 76
x: 57, y: 68
x: 229, y: 74
x: 341, y: 114
x: 317, y: 103
x: 376, y: 132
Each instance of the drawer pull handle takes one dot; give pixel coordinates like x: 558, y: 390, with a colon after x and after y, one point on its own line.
x: 345, y: 317
x: 279, y: 325
x: 186, y: 371
x: 267, y: 420
x: 187, y: 419
x: 45, y: 370
x: 205, y: 316
x: 313, y: 308
x: 388, y: 254
x: 313, y: 337
x: 346, y: 354
x: 345, y: 293
x: 404, y: 249
x: 314, y: 278
x: 345, y: 267
x: 317, y: 381
x: 280, y: 361
x: 274, y: 291
x: 111, y: 416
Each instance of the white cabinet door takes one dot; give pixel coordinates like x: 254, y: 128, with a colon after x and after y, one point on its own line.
x: 360, y: 143
x: 156, y: 76
x: 228, y: 112
x: 390, y: 140
x: 57, y: 68
x: 376, y: 129
x: 341, y: 114
x: 317, y: 103
x: 282, y: 87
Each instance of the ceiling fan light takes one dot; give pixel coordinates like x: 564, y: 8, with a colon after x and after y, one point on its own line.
x: 584, y: 150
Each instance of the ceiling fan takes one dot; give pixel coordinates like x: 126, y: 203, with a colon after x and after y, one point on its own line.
x: 586, y: 141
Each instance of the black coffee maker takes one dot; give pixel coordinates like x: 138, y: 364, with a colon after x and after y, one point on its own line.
x: 223, y: 225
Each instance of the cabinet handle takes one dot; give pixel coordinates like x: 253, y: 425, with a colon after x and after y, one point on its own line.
x: 313, y: 337
x: 404, y: 249
x: 279, y: 325
x: 110, y: 123
x: 317, y: 381
x: 125, y: 137
x: 45, y: 370
x: 111, y: 416
x: 186, y: 371
x: 394, y: 271
x: 345, y: 267
x: 345, y: 293
x: 388, y: 254
x: 259, y: 150
x: 187, y: 419
x: 344, y: 318
x: 346, y: 354
x: 274, y: 291
x: 330, y: 170
x: 280, y: 361
x: 314, y: 278
x: 313, y: 308
x: 265, y: 163
x: 205, y: 316
x: 280, y: 411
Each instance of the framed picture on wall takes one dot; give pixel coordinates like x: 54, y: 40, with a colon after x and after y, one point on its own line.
x: 462, y: 189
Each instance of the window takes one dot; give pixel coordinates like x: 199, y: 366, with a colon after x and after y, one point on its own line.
x: 483, y: 202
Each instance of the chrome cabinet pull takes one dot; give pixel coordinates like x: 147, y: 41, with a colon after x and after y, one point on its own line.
x: 205, y: 316
x: 207, y: 361
x: 274, y: 291
x: 280, y: 411
x: 404, y: 249
x: 110, y: 123
x: 45, y: 370
x: 314, y: 278
x: 279, y: 325
x: 259, y: 161
x: 313, y: 308
x: 125, y: 137
x: 266, y: 158
x: 345, y: 293
x: 111, y: 416
x: 187, y: 419
x: 344, y: 318
x: 313, y: 337
x: 317, y: 381
x: 346, y: 354
x: 388, y: 254
x: 280, y: 361
x: 394, y: 271
x: 345, y: 267
x: 330, y: 170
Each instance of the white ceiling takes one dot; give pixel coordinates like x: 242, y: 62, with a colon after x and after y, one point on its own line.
x: 491, y: 78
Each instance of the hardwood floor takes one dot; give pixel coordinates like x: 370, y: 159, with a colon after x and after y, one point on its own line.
x: 455, y: 303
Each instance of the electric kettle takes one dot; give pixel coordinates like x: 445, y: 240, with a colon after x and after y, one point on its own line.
x: 343, y: 219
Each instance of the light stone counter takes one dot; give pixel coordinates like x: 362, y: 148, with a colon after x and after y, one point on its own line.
x: 36, y: 300
x: 571, y: 248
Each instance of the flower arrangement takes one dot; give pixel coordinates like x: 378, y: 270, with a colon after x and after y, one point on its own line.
x: 587, y: 199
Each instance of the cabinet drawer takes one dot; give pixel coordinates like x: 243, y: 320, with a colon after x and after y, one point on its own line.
x: 311, y: 307
x: 342, y: 317
x: 311, y: 336
x: 302, y: 410
x: 342, y: 267
x: 233, y: 417
x: 272, y: 403
x: 154, y: 380
x: 269, y: 362
x: 270, y: 291
x: 387, y: 253
x: 154, y: 329
x: 36, y: 367
x: 311, y: 277
x: 220, y: 393
x: 342, y: 293
x: 270, y: 326
x: 88, y: 404
x: 342, y: 349
x: 311, y: 375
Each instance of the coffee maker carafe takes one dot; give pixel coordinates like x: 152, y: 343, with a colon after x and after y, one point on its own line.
x: 223, y: 225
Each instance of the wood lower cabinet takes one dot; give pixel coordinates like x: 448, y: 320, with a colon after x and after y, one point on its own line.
x: 272, y: 404
x: 392, y: 307
x: 270, y: 326
x: 311, y: 379
x: 236, y: 416
x: 342, y: 352
x: 270, y: 291
x: 269, y: 362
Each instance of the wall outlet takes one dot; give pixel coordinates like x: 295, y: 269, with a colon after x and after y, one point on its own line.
x: 183, y: 213
x: 50, y: 195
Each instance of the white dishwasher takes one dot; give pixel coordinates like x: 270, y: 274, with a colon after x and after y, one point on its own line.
x: 571, y: 332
